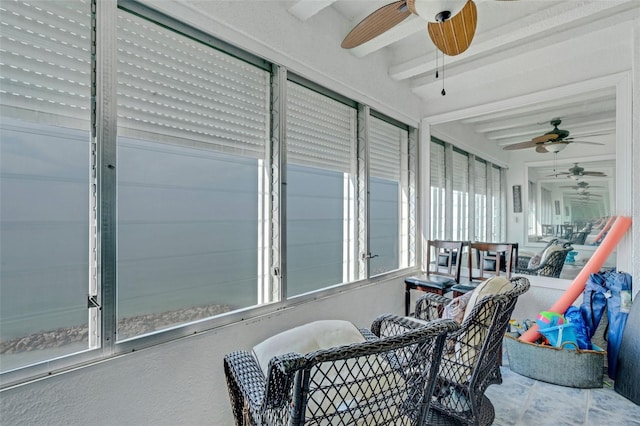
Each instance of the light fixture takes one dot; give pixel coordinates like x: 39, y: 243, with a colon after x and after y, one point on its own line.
x: 555, y: 147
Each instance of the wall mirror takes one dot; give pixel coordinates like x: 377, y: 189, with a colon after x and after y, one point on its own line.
x: 570, y: 199
x: 594, y: 110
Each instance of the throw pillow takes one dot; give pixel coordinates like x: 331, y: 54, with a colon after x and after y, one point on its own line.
x: 534, y: 262
x: 494, y: 285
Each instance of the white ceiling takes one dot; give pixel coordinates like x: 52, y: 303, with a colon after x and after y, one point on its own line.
x: 505, y: 30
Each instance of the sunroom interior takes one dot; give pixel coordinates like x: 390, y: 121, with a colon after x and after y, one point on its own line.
x: 182, y: 179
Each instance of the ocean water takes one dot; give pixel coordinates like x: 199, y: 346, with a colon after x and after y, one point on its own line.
x: 187, y: 231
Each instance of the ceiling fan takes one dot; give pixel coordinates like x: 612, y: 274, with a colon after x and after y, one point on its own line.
x: 580, y: 187
x: 553, y: 141
x: 577, y: 172
x: 451, y: 23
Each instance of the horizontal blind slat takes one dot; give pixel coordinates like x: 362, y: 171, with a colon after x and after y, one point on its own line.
x: 45, y: 60
x: 320, y: 130
x: 172, y: 89
x: 384, y: 152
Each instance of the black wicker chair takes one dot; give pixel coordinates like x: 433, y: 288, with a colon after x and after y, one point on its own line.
x: 382, y: 381
x: 551, y: 266
x: 470, y: 363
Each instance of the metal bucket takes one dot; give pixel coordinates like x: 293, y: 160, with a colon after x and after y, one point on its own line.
x: 575, y: 368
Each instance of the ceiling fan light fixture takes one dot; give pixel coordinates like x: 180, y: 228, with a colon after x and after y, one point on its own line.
x: 555, y: 147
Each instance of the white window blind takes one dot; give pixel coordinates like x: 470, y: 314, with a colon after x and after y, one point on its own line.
x: 45, y: 51
x: 480, y: 198
x: 384, y: 150
x: 320, y: 131
x: 497, y: 213
x: 437, y: 183
x: 460, y: 196
x: 172, y: 89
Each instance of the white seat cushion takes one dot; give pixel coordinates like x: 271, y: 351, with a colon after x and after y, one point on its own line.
x: 328, y: 392
x: 307, y: 338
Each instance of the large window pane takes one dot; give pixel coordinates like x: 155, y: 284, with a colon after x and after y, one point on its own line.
x: 460, y: 196
x: 314, y: 228
x: 497, y: 197
x: 45, y: 91
x: 384, y: 222
x: 187, y: 234
x: 192, y: 128
x: 480, y: 200
x: 438, y: 193
x: 320, y: 144
x: 384, y: 195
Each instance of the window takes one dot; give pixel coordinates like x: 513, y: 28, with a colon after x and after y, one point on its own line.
x: 497, y: 203
x: 45, y: 165
x: 386, y: 145
x: 460, y: 212
x: 480, y: 200
x: 463, y: 208
x: 181, y: 233
x: 438, y: 191
x: 192, y: 127
x: 546, y: 207
x: 533, y: 228
x: 321, y: 135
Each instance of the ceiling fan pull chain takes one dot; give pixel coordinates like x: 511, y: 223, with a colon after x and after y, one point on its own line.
x: 443, y: 91
x: 436, y: 63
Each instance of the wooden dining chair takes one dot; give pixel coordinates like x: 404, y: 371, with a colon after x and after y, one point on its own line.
x: 444, y: 261
x: 497, y: 255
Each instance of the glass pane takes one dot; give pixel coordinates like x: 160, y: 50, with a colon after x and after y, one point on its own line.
x: 315, y: 208
x: 321, y: 134
x: 44, y: 180
x: 480, y: 184
x: 384, y: 225
x: 44, y: 211
x: 192, y: 128
x: 460, y: 196
x: 187, y: 235
x: 386, y: 141
x: 497, y: 209
x: 437, y: 231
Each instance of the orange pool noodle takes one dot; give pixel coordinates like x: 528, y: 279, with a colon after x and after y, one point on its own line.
x: 604, y: 229
x: 620, y: 226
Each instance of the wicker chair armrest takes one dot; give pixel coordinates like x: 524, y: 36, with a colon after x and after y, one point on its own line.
x: 430, y: 306
x: 245, y: 382
x: 279, y: 380
x: 392, y: 325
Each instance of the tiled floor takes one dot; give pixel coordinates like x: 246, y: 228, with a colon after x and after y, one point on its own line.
x: 523, y: 401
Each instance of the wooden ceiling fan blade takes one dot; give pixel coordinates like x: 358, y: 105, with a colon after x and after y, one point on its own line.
x: 545, y: 138
x: 376, y: 23
x: 541, y: 149
x: 454, y: 35
x: 593, y: 174
x: 521, y: 145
